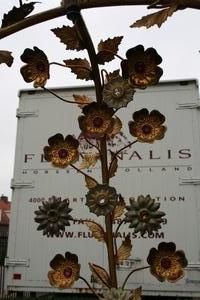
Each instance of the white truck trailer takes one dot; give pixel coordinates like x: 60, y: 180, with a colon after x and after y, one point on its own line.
x: 168, y: 170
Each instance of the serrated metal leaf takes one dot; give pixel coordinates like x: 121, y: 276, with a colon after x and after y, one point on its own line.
x: 119, y: 209
x: 112, y: 75
x: 107, y: 49
x: 89, y: 160
x: 113, y: 165
x: 17, y: 14
x: 82, y: 100
x: 90, y: 182
x: 136, y: 294
x: 70, y: 37
x: 6, y: 58
x: 100, y: 275
x: 124, y: 250
x: 157, y: 18
x: 80, y: 67
x: 97, y: 230
x: 116, y: 127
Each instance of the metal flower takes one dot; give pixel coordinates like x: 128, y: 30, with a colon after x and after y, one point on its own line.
x: 143, y: 215
x: 53, y: 216
x: 117, y: 92
x: 36, y: 68
x: 101, y: 199
x: 117, y: 294
x: 61, y: 152
x: 97, y: 120
x: 141, y: 68
x: 147, y: 127
x: 166, y: 263
x: 65, y: 270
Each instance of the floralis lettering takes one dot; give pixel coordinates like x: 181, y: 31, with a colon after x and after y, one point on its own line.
x: 136, y: 155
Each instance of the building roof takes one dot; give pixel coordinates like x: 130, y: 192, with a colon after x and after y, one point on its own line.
x: 4, y: 210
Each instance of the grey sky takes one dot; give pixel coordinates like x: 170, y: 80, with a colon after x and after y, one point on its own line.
x: 176, y: 41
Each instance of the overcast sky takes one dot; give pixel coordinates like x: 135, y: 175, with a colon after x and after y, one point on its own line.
x: 177, y: 41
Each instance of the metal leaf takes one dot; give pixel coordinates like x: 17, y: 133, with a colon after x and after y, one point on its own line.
x: 17, y: 14
x: 69, y: 36
x: 107, y: 49
x: 90, y: 182
x: 80, y: 67
x: 6, y: 58
x: 136, y: 294
x: 157, y: 18
x: 112, y: 75
x: 89, y: 160
x: 119, y: 209
x: 97, y: 230
x: 113, y: 165
x: 82, y: 100
x: 116, y: 127
x: 124, y: 250
x: 100, y: 275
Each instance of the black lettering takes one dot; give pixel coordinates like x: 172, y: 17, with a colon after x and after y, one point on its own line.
x: 184, y: 153
x: 181, y: 198
x: 135, y: 155
x: 42, y: 159
x: 172, y: 198
x: 69, y: 234
x: 169, y: 154
x: 159, y: 235
x: 151, y: 155
x: 28, y: 157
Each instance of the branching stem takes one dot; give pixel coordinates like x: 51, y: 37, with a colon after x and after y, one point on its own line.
x: 93, y: 145
x: 133, y: 271
x: 93, y: 290
x: 83, y: 173
x: 62, y: 99
x: 115, y: 154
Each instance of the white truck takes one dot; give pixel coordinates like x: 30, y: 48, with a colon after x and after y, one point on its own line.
x: 168, y: 170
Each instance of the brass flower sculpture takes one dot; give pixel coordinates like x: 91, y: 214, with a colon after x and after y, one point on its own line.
x: 61, y: 152
x: 141, y: 66
x: 65, y: 270
x: 143, y: 215
x: 36, y: 68
x: 147, y: 127
x: 53, y: 216
x: 99, y: 124
x: 167, y: 263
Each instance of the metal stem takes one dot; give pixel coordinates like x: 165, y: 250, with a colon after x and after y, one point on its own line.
x: 82, y: 29
x: 61, y: 11
x: 108, y: 218
x: 133, y: 271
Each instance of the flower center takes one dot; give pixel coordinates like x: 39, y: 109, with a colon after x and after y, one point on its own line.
x: 102, y: 201
x: 166, y: 263
x: 67, y: 272
x: 144, y: 216
x: 118, y: 92
x: 40, y: 67
x: 98, y: 122
x: 146, y: 129
x: 140, y: 67
x: 63, y: 153
x: 53, y: 215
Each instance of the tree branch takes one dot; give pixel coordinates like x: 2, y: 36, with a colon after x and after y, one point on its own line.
x: 61, y: 11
